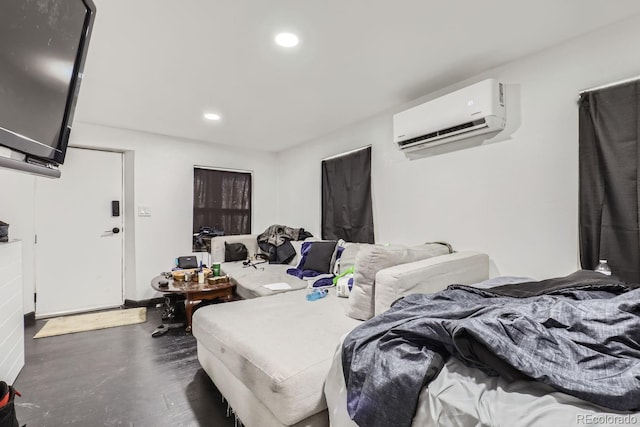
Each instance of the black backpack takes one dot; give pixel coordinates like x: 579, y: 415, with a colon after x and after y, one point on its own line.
x: 7, y: 409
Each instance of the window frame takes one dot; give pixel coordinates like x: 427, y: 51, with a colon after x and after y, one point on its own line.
x: 249, y: 212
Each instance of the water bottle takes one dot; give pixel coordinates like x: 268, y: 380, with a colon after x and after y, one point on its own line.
x: 603, y: 267
x: 317, y: 294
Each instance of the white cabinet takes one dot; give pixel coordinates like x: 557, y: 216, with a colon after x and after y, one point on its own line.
x: 11, y: 316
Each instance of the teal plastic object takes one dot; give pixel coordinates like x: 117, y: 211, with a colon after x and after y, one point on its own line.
x: 317, y: 294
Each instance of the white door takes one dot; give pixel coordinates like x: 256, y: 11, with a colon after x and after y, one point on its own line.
x: 78, y: 255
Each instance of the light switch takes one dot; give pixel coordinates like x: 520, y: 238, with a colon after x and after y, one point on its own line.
x: 144, y: 210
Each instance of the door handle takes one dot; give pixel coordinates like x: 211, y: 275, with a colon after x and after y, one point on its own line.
x: 114, y: 230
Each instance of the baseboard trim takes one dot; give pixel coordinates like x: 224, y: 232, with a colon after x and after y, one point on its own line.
x: 152, y: 302
x: 30, y: 318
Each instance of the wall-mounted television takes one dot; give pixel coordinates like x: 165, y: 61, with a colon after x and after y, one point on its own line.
x: 43, y: 46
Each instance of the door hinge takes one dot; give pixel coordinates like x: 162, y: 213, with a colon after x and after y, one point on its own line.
x: 35, y: 240
x: 35, y: 297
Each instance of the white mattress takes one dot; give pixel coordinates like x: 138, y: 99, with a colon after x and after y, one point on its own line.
x: 466, y: 397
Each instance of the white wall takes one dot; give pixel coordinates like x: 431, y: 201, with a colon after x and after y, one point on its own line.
x: 163, y: 180
x: 517, y: 199
x: 160, y: 171
x: 17, y: 209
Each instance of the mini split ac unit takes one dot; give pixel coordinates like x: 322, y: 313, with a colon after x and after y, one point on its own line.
x: 475, y: 110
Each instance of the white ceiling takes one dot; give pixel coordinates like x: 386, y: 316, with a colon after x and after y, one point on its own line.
x: 158, y: 65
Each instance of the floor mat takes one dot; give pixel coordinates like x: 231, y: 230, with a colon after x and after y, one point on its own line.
x: 92, y: 321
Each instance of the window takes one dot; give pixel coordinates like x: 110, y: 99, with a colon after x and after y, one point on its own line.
x: 221, y: 205
x: 347, y: 211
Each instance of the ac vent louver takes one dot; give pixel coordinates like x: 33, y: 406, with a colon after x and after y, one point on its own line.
x: 445, y: 132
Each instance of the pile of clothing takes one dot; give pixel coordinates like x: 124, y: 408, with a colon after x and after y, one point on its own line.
x: 319, y: 260
x: 319, y: 265
x: 275, y: 243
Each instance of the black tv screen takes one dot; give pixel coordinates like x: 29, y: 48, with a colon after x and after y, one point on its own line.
x: 43, y: 46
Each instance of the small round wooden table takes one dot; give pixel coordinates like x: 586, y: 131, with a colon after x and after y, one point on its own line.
x: 194, y: 293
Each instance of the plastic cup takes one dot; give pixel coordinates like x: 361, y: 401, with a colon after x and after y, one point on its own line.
x: 216, y: 268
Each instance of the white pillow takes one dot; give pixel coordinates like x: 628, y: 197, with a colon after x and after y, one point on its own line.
x: 373, y: 258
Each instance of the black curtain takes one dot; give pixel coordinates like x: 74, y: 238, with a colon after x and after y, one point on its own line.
x: 222, y: 200
x: 609, y: 190
x: 347, y: 211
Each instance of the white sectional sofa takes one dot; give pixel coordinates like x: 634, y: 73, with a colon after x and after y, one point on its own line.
x: 270, y: 356
x: 249, y: 280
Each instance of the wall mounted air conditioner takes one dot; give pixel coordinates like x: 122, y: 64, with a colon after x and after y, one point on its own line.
x: 474, y: 110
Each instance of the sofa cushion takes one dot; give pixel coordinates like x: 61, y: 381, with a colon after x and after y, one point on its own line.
x: 279, y: 347
x: 249, y: 281
x: 373, y: 258
x: 320, y: 256
x: 428, y: 276
x: 348, y: 257
x: 297, y: 245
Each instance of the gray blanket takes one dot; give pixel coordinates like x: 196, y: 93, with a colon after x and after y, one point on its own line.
x: 579, y: 334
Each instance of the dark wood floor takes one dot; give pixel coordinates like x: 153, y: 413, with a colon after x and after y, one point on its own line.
x: 117, y: 377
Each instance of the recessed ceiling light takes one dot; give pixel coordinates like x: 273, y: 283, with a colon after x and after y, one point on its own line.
x: 211, y: 116
x: 287, y: 39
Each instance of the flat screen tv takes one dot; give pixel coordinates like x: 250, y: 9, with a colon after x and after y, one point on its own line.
x: 43, y: 45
